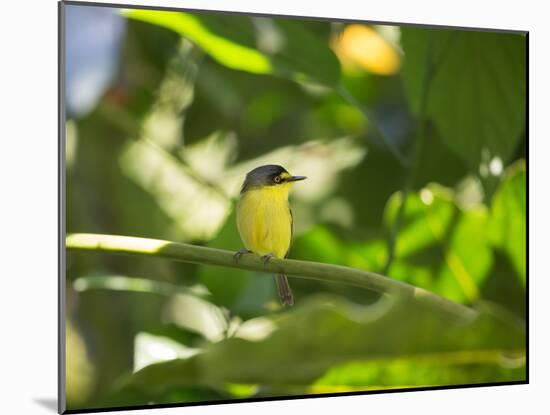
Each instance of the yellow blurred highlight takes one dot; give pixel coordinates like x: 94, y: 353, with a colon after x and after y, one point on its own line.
x: 360, y: 46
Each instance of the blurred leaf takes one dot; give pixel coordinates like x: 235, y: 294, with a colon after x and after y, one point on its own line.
x: 210, y: 157
x: 178, y: 334
x: 198, y: 316
x: 237, y: 28
x: 132, y: 284
x: 223, y: 50
x: 477, y: 93
x: 454, y: 368
x: 427, y: 217
x: 508, y: 225
x: 302, y: 56
x: 80, y: 372
x: 197, y: 207
x: 503, y: 287
x: 264, y: 109
x: 149, y: 349
x: 468, y: 258
x: 169, y: 395
x: 441, y: 247
x: 327, y: 331
x: 323, y: 243
x: 334, y: 118
x: 320, y: 245
x: 305, y: 55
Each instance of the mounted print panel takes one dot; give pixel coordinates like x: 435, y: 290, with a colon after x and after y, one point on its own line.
x: 275, y: 207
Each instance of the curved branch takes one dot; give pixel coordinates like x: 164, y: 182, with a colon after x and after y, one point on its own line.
x: 293, y: 268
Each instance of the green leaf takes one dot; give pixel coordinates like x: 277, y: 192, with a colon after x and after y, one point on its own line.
x: 223, y: 50
x: 133, y: 284
x: 328, y: 331
x: 476, y: 96
x: 305, y: 56
x: 302, y: 56
x: 149, y: 349
x: 468, y: 258
x: 441, y: 247
x: 508, y: 226
x: 427, y: 217
x: 197, y: 207
x: 454, y: 368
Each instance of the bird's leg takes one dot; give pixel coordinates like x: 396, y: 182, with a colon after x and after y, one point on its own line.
x: 240, y: 253
x: 267, y: 257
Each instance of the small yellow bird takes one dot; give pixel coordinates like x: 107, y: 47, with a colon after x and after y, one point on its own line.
x: 264, y: 218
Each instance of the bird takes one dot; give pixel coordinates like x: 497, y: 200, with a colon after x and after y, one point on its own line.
x: 264, y: 218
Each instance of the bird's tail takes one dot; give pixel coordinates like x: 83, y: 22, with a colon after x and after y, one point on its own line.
x: 285, y: 293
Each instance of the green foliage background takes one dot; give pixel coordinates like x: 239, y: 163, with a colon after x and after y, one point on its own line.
x: 418, y: 174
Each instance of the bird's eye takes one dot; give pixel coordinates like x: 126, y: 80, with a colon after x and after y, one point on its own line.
x: 277, y: 179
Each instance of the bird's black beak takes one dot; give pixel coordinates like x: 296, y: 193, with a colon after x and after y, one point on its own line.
x: 296, y: 178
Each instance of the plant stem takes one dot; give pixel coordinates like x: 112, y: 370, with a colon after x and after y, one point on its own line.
x: 292, y: 268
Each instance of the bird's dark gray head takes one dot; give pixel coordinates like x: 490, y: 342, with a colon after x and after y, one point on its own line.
x: 268, y: 175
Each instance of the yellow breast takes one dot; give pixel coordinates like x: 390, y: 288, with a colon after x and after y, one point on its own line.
x: 264, y: 220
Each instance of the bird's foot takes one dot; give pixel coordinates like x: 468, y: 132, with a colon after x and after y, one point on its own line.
x: 240, y: 253
x: 267, y: 257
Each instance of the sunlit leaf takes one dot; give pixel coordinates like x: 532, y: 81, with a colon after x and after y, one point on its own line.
x: 452, y: 368
x: 197, y: 207
x: 427, y: 217
x: 226, y: 52
x: 198, y: 316
x: 468, y: 258
x: 149, y: 349
x: 440, y: 246
x: 302, y: 56
x: 133, y: 284
x: 508, y: 224
x: 476, y: 96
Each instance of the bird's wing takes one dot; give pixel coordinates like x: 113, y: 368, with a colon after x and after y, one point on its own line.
x: 291, y: 231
